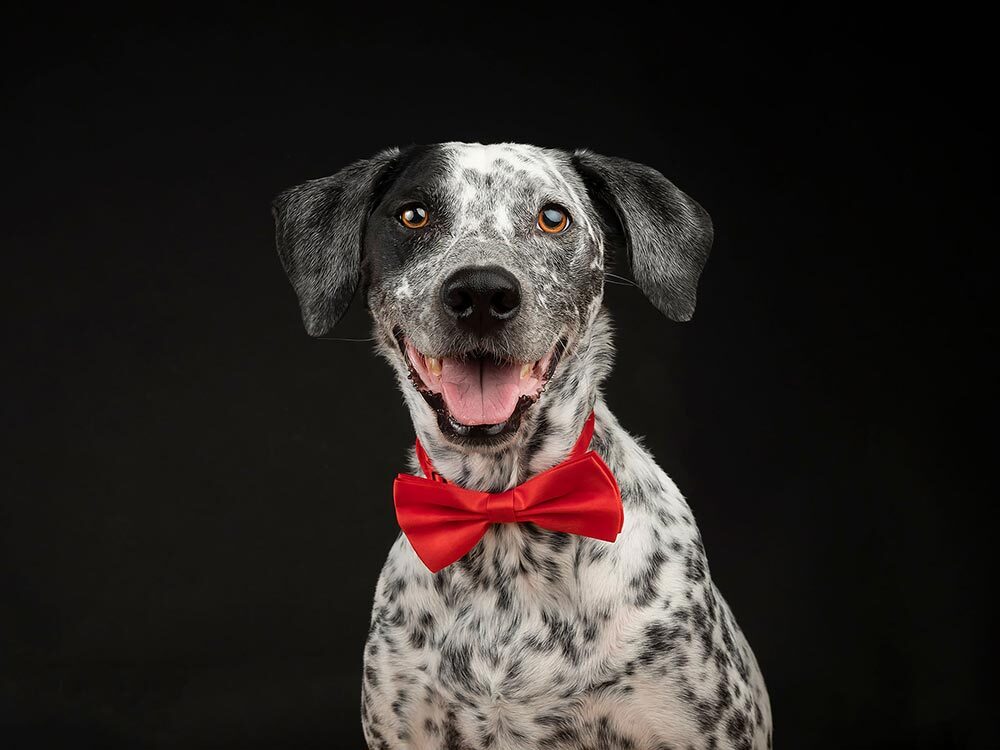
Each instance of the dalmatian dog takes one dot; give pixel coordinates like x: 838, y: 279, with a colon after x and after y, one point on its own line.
x: 483, y: 268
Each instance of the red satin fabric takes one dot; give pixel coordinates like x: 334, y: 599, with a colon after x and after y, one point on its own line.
x: 443, y: 522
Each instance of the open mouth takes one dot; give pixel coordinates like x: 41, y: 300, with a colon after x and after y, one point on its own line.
x: 475, y: 394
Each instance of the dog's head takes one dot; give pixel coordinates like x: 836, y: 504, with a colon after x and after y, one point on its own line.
x: 484, y: 265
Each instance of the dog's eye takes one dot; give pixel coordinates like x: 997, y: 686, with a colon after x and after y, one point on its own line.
x: 553, y: 219
x: 414, y: 216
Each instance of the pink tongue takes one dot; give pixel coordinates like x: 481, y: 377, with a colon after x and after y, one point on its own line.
x: 478, y: 391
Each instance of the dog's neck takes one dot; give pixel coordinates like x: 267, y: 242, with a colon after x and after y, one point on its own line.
x: 549, y: 432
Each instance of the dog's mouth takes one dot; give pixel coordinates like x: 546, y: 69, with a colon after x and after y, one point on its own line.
x: 477, y: 395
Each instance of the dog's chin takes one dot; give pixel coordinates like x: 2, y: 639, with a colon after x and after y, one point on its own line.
x: 480, y: 400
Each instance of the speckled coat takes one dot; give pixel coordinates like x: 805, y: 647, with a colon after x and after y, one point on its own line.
x: 534, y: 639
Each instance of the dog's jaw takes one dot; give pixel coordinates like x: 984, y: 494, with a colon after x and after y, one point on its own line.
x: 492, y: 424
x: 546, y: 429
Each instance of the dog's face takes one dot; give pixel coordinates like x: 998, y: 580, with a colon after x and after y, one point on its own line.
x: 485, y: 262
x: 484, y: 265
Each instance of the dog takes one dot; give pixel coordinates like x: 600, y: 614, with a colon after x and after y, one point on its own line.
x: 483, y: 268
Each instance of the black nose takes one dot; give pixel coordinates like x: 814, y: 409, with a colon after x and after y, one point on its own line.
x: 481, y: 298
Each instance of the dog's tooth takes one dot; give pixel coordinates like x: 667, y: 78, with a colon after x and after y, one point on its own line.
x: 434, y: 365
x: 526, y: 369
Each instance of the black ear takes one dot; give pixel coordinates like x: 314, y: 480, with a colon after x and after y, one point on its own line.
x: 320, y: 227
x: 668, y: 235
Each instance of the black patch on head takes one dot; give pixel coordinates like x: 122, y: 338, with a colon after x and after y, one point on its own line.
x: 416, y: 179
x: 320, y: 229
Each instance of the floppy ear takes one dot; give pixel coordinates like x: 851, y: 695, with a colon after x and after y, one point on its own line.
x: 319, y: 227
x: 668, y: 235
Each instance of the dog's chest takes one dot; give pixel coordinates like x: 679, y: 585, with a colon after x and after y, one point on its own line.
x: 523, y: 654
x: 503, y: 653
x: 505, y: 629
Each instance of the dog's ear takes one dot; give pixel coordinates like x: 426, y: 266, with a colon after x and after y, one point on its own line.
x: 319, y: 226
x: 666, y: 233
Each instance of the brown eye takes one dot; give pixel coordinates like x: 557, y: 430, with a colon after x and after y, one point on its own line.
x: 553, y: 219
x: 414, y: 216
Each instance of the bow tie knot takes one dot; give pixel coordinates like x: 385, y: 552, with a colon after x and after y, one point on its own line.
x: 443, y: 521
x: 500, y: 507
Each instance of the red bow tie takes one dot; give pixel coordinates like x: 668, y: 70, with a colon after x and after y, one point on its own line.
x: 443, y: 522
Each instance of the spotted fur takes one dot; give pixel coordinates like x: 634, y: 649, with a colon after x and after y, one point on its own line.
x: 534, y: 639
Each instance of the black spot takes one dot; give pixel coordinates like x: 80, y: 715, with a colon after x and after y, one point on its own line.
x: 645, y: 583
x: 694, y: 565
x: 738, y: 728
x: 456, y: 665
x: 452, y: 738
x: 394, y: 587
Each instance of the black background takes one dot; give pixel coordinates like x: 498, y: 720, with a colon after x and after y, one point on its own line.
x: 197, y: 495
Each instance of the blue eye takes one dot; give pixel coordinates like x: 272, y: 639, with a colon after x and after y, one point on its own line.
x: 553, y: 219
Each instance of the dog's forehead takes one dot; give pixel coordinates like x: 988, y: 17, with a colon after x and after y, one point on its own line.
x: 532, y: 165
x: 496, y: 186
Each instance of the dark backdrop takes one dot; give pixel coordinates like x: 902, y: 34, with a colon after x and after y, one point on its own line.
x: 196, y: 497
